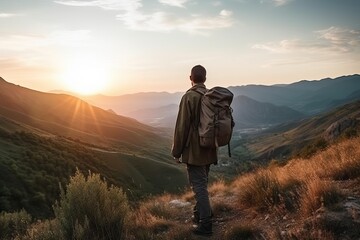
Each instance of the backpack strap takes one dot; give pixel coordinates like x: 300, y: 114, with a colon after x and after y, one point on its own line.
x: 201, y: 92
x: 229, y: 151
x: 196, y: 121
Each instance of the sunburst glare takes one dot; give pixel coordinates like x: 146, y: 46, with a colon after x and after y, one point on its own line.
x: 85, y: 75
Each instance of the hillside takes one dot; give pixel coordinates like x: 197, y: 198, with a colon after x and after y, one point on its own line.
x: 71, y: 117
x: 287, y: 140
x: 44, y: 137
x: 313, y: 198
x: 251, y: 113
x: 164, y: 116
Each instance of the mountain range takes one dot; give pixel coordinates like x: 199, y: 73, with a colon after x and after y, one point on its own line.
x: 291, y: 139
x: 289, y: 101
x: 44, y: 137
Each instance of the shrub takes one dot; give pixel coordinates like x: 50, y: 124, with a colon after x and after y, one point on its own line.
x: 260, y: 190
x: 159, y: 207
x: 219, y: 188
x: 146, y: 226
x: 150, y: 219
x: 44, y: 230
x: 318, y: 193
x: 89, y: 209
x: 13, y: 224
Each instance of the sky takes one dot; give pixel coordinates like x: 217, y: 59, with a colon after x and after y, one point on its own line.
x: 117, y: 47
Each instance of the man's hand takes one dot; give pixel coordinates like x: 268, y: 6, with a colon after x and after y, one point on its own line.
x: 177, y: 160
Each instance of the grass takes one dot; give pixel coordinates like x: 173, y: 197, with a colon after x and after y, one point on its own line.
x: 31, y: 167
x: 14, y: 224
x: 318, y: 193
x: 301, y: 189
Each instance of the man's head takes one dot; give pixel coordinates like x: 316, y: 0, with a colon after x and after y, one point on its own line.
x: 198, y: 74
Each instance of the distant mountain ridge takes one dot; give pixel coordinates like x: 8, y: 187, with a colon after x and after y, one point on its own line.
x: 308, y: 97
x: 287, y: 139
x: 129, y: 103
x: 248, y: 112
x: 299, y: 98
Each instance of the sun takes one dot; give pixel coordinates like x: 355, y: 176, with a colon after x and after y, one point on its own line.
x: 85, y: 76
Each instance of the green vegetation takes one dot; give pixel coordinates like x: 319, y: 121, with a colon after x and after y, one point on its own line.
x: 32, y: 166
x: 304, y: 190
x: 14, y: 224
x: 305, y: 138
x: 89, y: 209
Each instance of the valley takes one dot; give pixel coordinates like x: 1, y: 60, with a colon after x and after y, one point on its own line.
x: 45, y: 137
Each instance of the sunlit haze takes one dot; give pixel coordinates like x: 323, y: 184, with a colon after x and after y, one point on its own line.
x: 116, y: 47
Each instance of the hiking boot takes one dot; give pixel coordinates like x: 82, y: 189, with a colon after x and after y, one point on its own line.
x: 195, y: 218
x: 204, y: 228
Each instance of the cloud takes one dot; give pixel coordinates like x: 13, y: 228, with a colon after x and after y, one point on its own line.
x: 160, y: 21
x: 20, y: 43
x: 332, y: 40
x: 69, y: 38
x: 174, y: 3
x: 226, y: 13
x: 290, y: 45
x: 163, y: 21
x: 217, y: 3
x: 120, y: 5
x: 281, y: 2
x: 38, y: 51
x: 332, y: 44
x: 7, y: 15
x: 344, y: 40
x: 277, y: 3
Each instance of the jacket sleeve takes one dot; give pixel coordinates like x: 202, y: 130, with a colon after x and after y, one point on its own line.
x: 182, y: 127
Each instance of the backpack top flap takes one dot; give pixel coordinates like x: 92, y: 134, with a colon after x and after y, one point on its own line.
x: 219, y: 97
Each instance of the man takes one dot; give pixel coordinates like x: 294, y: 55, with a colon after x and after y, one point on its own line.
x: 187, y: 147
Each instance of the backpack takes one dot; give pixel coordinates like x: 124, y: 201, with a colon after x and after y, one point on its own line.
x: 216, y: 122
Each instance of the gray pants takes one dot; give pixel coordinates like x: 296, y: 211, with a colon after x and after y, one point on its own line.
x: 198, y: 178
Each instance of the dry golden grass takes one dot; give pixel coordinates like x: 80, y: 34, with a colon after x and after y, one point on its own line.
x: 151, y: 218
x: 318, y: 193
x: 219, y: 188
x: 302, y: 183
x: 302, y: 188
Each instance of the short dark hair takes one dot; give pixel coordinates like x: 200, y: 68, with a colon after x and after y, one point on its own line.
x: 198, y: 74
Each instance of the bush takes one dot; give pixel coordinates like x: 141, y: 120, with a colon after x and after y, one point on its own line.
x: 44, y: 230
x: 260, y: 190
x: 13, y: 224
x: 89, y: 209
x: 318, y: 193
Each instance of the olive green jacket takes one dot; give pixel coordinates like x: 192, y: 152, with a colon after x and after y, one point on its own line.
x: 186, y: 136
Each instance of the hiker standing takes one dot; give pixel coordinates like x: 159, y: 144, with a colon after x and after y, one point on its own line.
x: 186, y: 146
